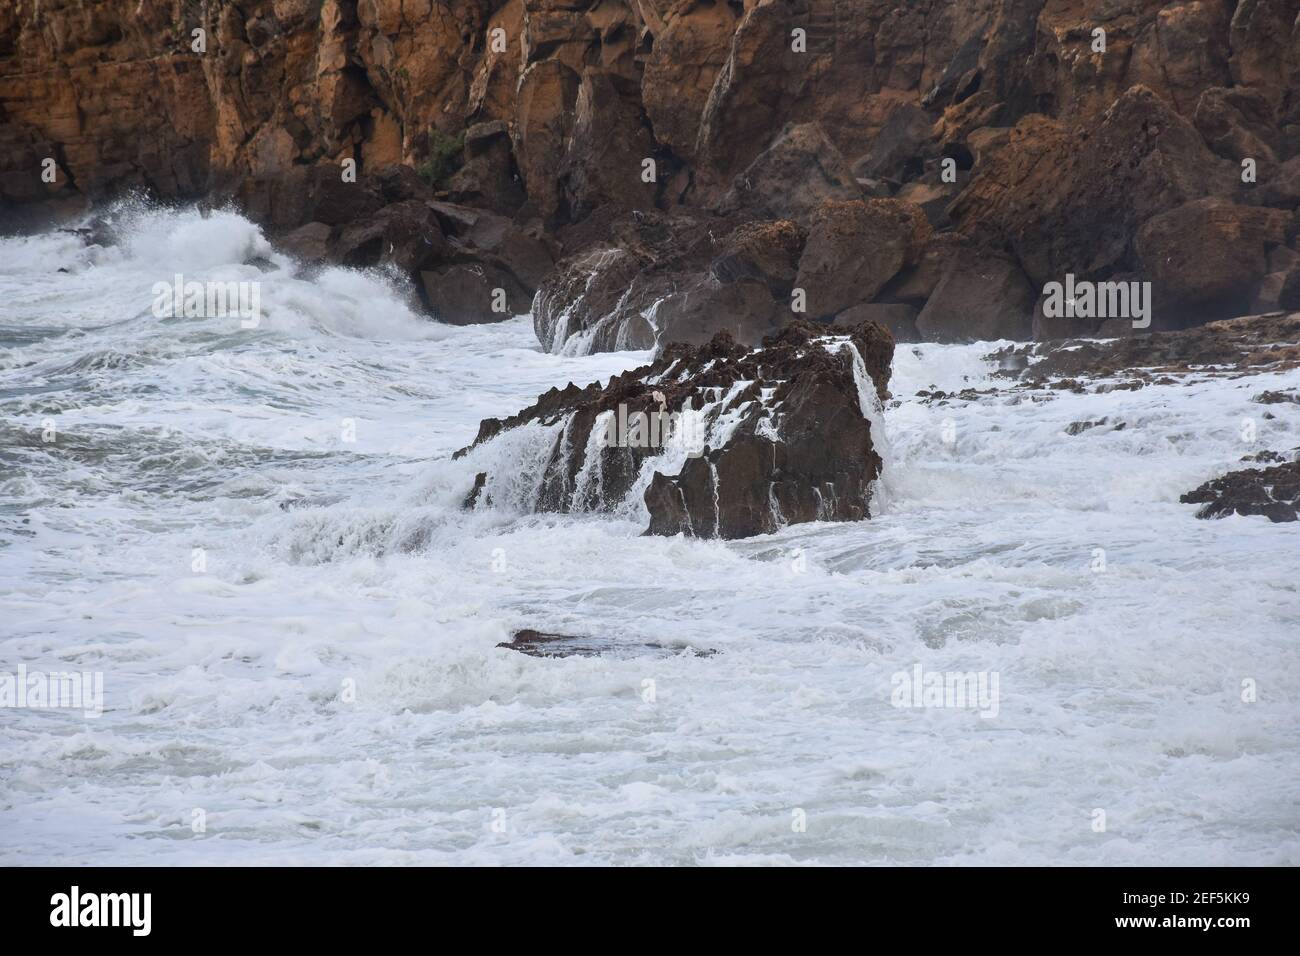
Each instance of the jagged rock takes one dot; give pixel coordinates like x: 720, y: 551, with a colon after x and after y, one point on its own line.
x: 854, y: 248
x: 716, y: 441
x: 1272, y: 492
x: 1071, y: 202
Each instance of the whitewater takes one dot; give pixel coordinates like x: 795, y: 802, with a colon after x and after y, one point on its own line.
x: 256, y: 535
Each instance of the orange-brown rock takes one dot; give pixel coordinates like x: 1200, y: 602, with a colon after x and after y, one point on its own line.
x: 1049, y: 132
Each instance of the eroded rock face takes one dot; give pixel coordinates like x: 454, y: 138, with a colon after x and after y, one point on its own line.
x: 716, y: 441
x: 1001, y: 119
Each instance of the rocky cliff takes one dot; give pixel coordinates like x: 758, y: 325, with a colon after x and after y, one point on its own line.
x: 653, y: 170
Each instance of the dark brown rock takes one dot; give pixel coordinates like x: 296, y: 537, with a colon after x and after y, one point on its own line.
x: 792, y: 178
x: 783, y: 436
x: 981, y: 296
x: 1207, y: 257
x: 854, y: 248
x: 1272, y: 492
x: 898, y: 317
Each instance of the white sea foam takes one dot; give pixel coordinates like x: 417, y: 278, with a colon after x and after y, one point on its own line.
x: 334, y: 565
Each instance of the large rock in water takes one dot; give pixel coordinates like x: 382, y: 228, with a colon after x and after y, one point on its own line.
x: 719, y: 441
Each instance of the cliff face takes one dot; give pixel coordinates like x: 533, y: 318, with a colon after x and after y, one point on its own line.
x: 1067, y: 125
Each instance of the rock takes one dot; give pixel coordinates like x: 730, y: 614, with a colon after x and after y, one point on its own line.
x: 488, y: 177
x: 607, y: 147
x: 1255, y: 343
x: 310, y: 243
x: 898, y: 317
x: 1261, y: 40
x: 406, y: 234
x: 916, y: 284
x: 1206, y: 258
x: 542, y: 123
x: 902, y: 146
x: 854, y: 248
x: 767, y: 251
x: 1272, y: 492
x: 1288, y: 295
x: 1280, y: 186
x: 1071, y: 201
x: 792, y: 178
x: 1078, y: 428
x: 659, y: 278
x: 715, y: 441
x: 981, y: 296
x: 933, y: 199
x: 1272, y: 397
x: 690, y: 48
x: 545, y: 644
x: 472, y: 293
x: 1238, y: 124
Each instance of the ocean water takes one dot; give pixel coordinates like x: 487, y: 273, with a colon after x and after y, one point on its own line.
x: 255, y: 535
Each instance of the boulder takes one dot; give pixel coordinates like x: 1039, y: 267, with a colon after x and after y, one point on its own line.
x: 468, y: 293
x: 1238, y: 124
x: 768, y: 251
x: 1206, y: 258
x: 981, y: 295
x: 310, y: 243
x: 406, y: 234
x: 854, y: 248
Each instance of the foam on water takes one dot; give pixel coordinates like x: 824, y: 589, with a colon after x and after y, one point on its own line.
x: 333, y: 564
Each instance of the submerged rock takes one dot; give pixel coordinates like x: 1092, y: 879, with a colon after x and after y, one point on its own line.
x: 544, y: 644
x: 1272, y: 492
x: 1251, y: 343
x: 719, y: 441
